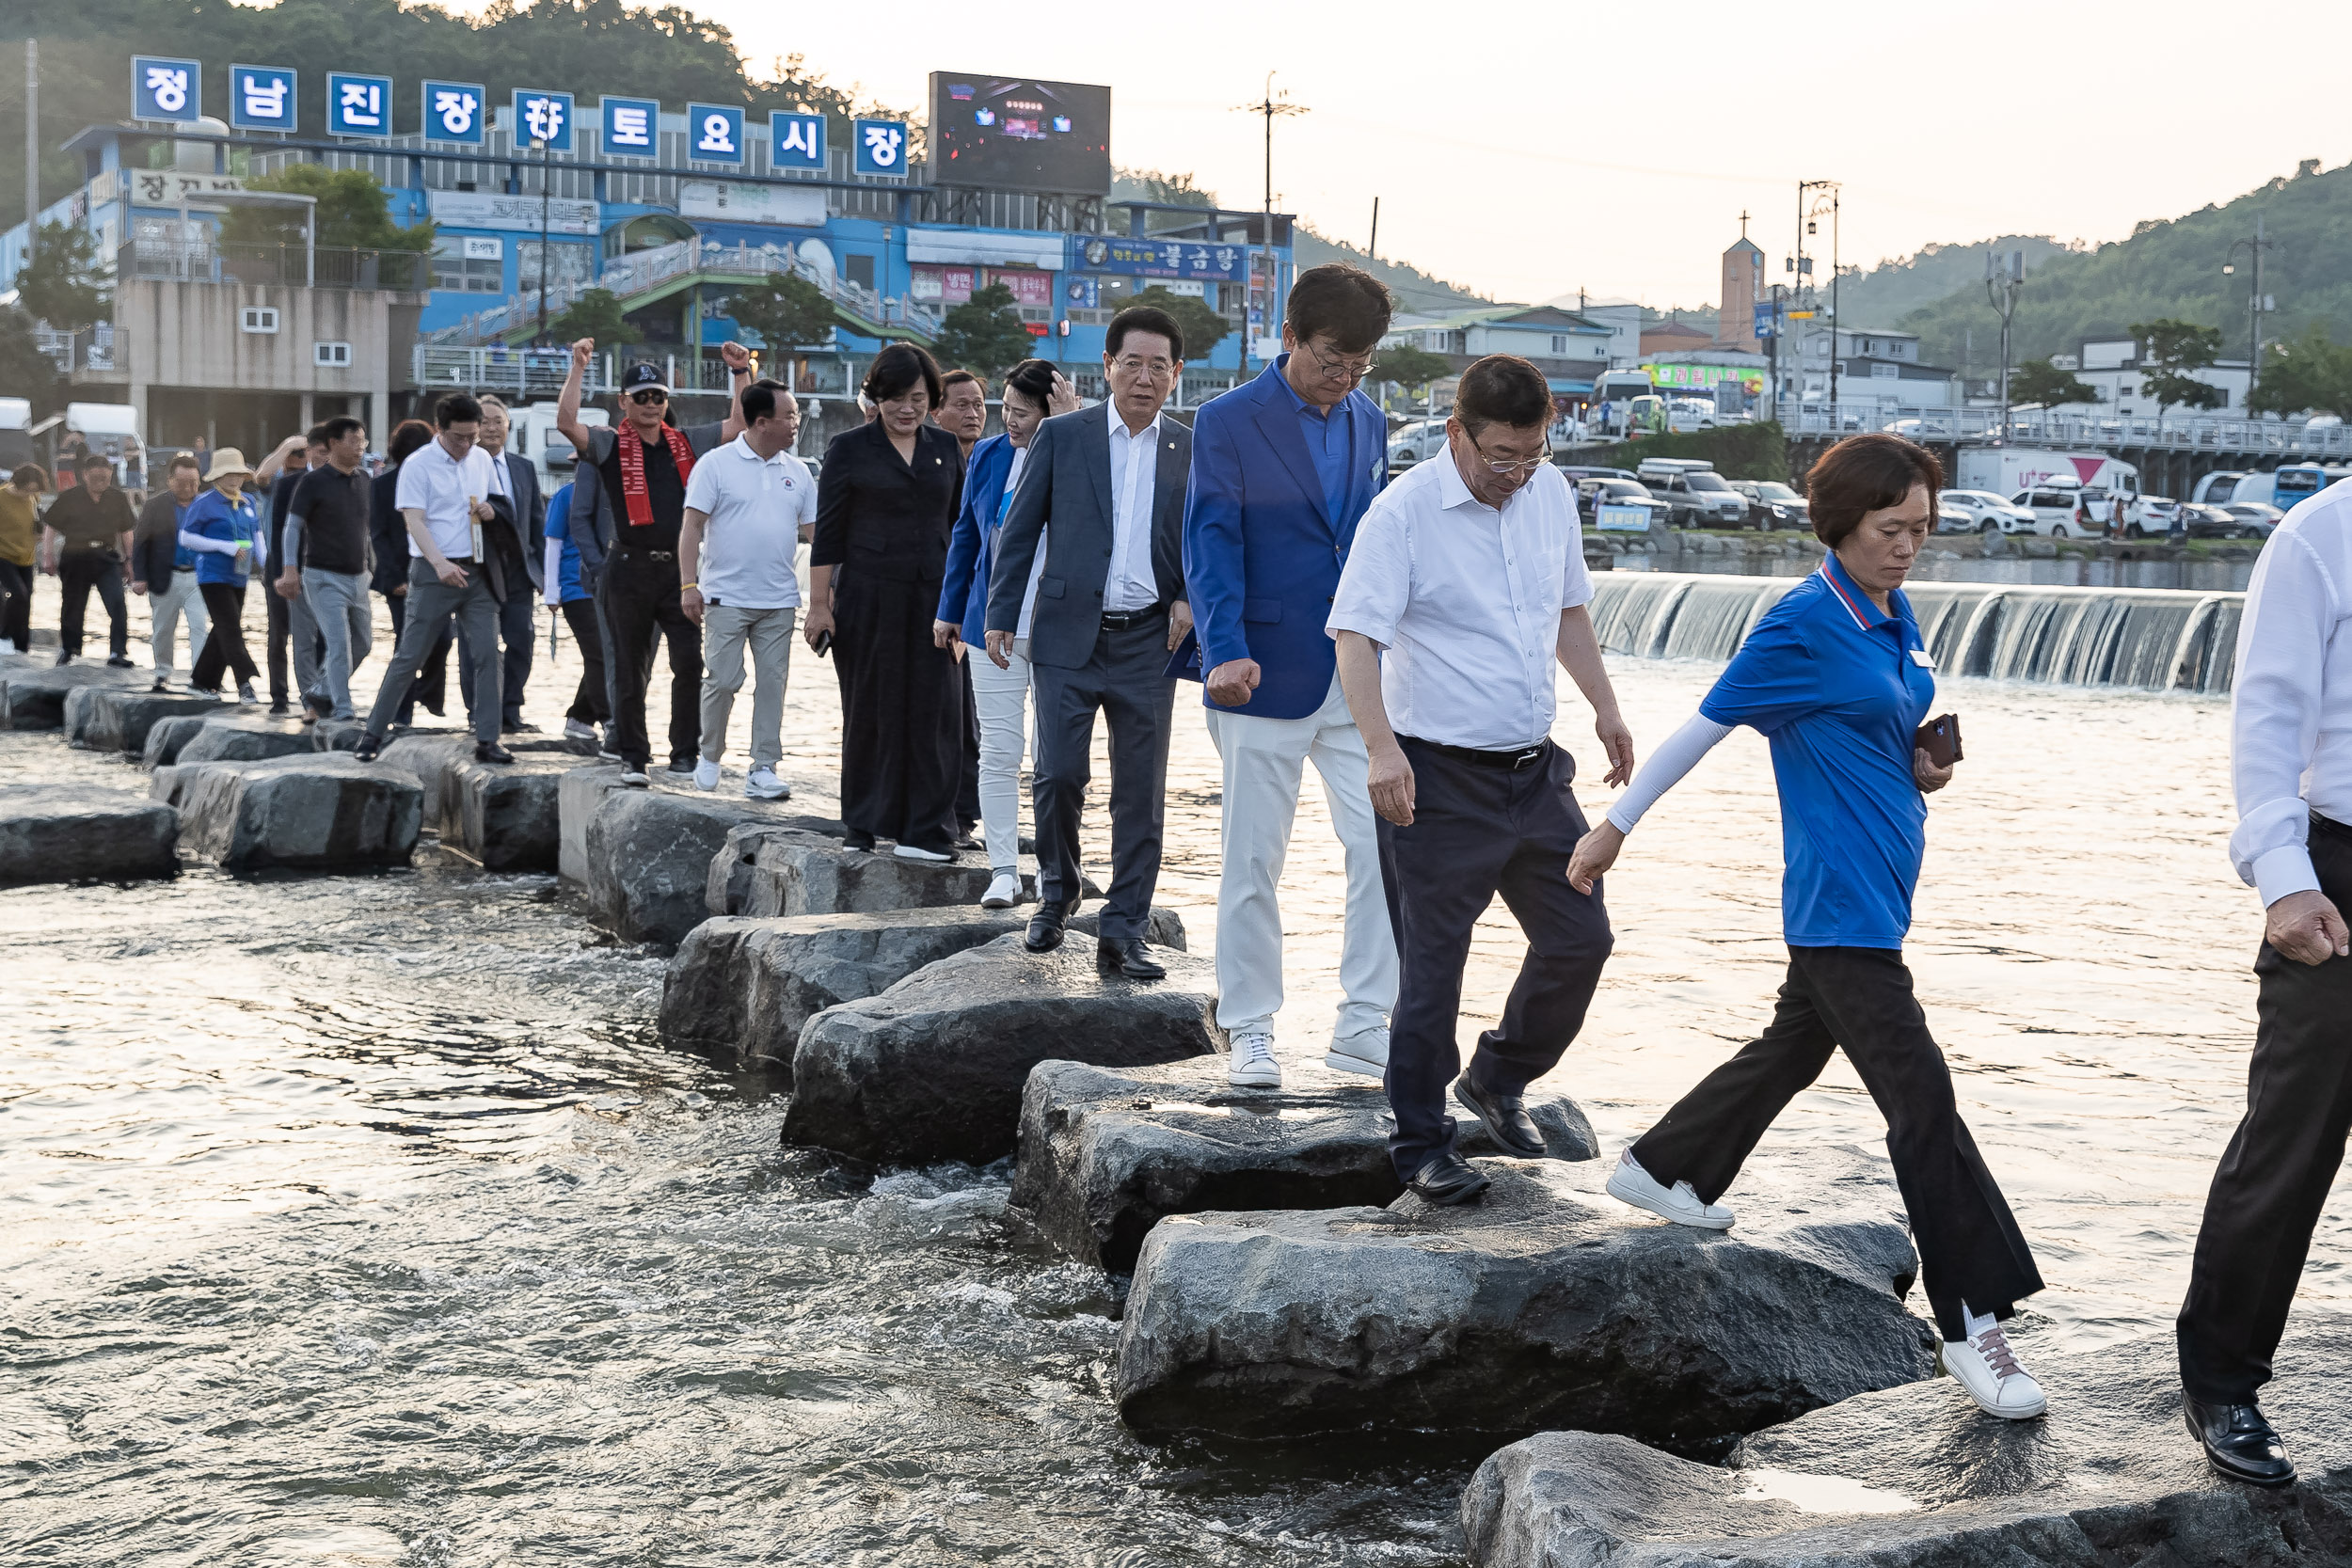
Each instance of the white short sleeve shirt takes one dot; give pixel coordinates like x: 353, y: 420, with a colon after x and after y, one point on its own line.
x: 756, y: 507
x: 444, y: 489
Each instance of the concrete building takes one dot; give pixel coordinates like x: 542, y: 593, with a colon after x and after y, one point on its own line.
x: 1744, y: 289
x: 1569, y: 349
x: 1674, y: 336
x: 2117, y: 371
x: 1874, y: 366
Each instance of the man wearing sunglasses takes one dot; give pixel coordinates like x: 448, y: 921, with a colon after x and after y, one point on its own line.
x: 1466, y: 580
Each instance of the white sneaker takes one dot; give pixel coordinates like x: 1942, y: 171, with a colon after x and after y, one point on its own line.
x: 635, y: 777
x: 1003, y: 891
x: 1987, y: 1368
x: 917, y: 852
x: 1253, y: 1066
x: 763, y: 784
x: 575, y: 730
x: 1366, y: 1052
x: 1631, y: 1183
x: 706, y: 774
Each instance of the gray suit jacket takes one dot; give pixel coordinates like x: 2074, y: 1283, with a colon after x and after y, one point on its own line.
x: 530, y: 513
x: 1065, y: 495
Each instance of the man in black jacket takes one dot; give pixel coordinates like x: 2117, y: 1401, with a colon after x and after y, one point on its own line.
x: 518, y: 613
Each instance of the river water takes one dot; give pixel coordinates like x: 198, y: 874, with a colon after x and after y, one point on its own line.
x: 366, y: 1221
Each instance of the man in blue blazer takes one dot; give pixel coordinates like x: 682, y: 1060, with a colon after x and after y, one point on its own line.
x: 1281, y: 469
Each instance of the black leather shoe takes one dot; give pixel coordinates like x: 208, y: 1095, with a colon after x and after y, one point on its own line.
x: 1448, y: 1180
x: 1045, y: 928
x: 1130, y: 955
x: 368, y: 745
x: 490, y: 751
x: 1505, y: 1116
x: 2239, y: 1443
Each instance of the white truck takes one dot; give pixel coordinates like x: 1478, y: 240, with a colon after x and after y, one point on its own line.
x: 532, y: 434
x: 2015, y: 471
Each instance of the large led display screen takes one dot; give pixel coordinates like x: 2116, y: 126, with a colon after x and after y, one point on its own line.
x: 1020, y: 134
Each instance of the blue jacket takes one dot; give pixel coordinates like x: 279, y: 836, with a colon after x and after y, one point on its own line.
x: 212, y: 515
x: 972, y: 549
x: 559, y: 531
x: 1261, y: 560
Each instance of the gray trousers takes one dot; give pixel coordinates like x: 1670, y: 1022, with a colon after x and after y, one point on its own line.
x: 303, y: 632
x: 165, y: 606
x: 1124, y: 679
x: 430, y: 602
x: 337, y: 601
x: 726, y: 630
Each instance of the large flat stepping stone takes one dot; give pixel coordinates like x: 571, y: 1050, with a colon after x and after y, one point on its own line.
x: 313, y: 811
x: 168, y: 734
x: 648, y: 852
x: 932, y: 1068
x: 34, y: 698
x: 244, y: 735
x: 767, y: 870
x: 104, y: 717
x: 743, y: 988
x: 75, y: 833
x: 1546, y: 1304
x: 1107, y: 1153
x: 431, y: 755
x: 506, y: 816
x: 1918, y: 1476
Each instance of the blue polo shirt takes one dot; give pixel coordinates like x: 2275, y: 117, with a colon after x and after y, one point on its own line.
x: 1329, y: 444
x: 559, y: 528
x: 1839, y: 689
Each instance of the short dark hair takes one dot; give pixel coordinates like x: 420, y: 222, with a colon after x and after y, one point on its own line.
x: 957, y: 378
x: 760, y: 399
x: 1863, y: 475
x: 316, y: 435
x: 1344, y: 304
x: 1143, y: 318
x: 1032, y: 379
x: 1502, y: 388
x: 95, y: 460
x: 30, y: 474
x: 895, y: 372
x: 184, y: 460
x: 456, y: 408
x: 331, y: 431
x: 408, y: 436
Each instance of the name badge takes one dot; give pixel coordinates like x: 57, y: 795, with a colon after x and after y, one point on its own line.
x: 1924, y: 659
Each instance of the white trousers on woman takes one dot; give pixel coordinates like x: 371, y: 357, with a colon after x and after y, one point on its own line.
x: 1002, y: 699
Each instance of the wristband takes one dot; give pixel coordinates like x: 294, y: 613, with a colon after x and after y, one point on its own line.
x: 684, y: 586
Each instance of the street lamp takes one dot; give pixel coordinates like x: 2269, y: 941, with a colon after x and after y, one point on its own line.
x: 2255, y: 301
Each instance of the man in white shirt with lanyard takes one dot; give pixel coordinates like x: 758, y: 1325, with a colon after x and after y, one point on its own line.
x: 1466, y: 579
x: 2291, y: 759
x: 748, y: 506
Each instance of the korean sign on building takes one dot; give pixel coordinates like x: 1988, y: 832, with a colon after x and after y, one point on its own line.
x: 498, y: 210
x: 454, y: 112
x: 1705, y: 378
x: 1198, y: 258
x: 261, y: 98
x: 877, y: 146
x: 633, y: 127
x: 545, y: 117
x: 166, y: 89
x: 714, y: 133
x: 358, y: 105
x: 796, y: 142
x: 954, y: 285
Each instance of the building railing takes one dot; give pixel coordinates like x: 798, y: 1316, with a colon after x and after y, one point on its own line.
x: 529, y: 372
x: 2187, y: 432
x: 209, y: 261
x: 1192, y: 390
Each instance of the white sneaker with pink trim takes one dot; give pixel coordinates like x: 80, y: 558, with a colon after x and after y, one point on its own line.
x: 1987, y: 1367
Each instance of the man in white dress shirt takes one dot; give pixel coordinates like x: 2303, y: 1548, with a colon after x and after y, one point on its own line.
x: 1466, y: 582
x: 2291, y: 759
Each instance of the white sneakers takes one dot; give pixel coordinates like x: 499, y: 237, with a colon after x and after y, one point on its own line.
x: 1987, y: 1368
x: 575, y: 730
x: 1365, y: 1051
x: 635, y: 778
x: 1630, y: 1183
x: 1003, y: 891
x: 763, y: 784
x: 917, y: 852
x: 706, y: 774
x: 1253, y: 1066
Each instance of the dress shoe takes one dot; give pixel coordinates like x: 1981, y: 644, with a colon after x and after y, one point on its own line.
x: 121, y: 661
x: 1987, y: 1367
x: 64, y: 659
x: 1129, y: 956
x: 1505, y: 1117
x: 2239, y: 1443
x: 490, y: 751
x: 317, y: 705
x: 684, y: 764
x: 1631, y: 1183
x: 1045, y: 928
x: 368, y: 745
x: 1447, y: 1180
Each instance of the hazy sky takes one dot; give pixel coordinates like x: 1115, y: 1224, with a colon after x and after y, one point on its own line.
x: 1529, y: 150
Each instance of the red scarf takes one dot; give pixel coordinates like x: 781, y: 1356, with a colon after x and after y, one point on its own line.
x: 633, y: 470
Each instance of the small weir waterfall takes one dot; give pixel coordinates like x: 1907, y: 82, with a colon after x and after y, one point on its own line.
x: 2154, y: 638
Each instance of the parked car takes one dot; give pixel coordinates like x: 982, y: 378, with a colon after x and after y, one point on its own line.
x: 2057, y: 511
x: 1578, y: 472
x: 1773, y: 504
x: 2255, y: 519
x: 1684, y: 415
x: 2204, y: 521
x: 1593, y: 494
x: 1981, y: 511
x: 1416, y: 442
x: 2149, y: 515
x: 1696, y: 495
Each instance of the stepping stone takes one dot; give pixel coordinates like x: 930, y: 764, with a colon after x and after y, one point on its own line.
x: 768, y: 871
x: 1107, y: 1153
x: 104, y: 717
x: 648, y: 852
x: 504, y: 815
x: 310, y: 811
x: 245, y: 737
x: 33, y: 699
x: 1546, y: 1302
x: 167, y: 734
x: 1919, y: 1475
x: 75, y: 833
x: 932, y: 1068
x: 742, y: 988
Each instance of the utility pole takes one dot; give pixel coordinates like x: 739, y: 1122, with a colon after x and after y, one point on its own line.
x: 1808, y: 222
x: 32, y: 142
x: 2255, y: 303
x: 1269, y: 107
x: 2004, y: 276
x: 1371, y: 251
x: 545, y: 152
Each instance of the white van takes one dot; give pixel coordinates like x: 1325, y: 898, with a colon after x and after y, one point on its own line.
x: 16, y: 432
x: 532, y: 434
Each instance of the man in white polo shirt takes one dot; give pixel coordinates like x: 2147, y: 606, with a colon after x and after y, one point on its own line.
x: 748, y: 506
x: 1466, y: 582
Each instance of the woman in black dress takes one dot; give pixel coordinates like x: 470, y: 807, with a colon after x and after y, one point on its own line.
x: 885, y: 505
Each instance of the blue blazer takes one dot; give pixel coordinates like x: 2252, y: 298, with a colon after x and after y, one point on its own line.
x: 971, y: 548
x: 1262, y: 559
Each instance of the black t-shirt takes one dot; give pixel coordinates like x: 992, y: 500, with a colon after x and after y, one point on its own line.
x: 665, y: 497
x: 335, y: 511
x: 85, y: 522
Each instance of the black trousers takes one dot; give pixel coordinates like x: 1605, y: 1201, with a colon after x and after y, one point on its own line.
x: 2275, y: 1175
x: 1123, y: 680
x: 16, y: 604
x: 901, y: 713
x: 430, y: 685
x: 79, y: 571
x: 637, y: 606
x: 224, y: 649
x: 1479, y: 831
x: 519, y: 622
x: 593, y: 702
x: 1860, y: 999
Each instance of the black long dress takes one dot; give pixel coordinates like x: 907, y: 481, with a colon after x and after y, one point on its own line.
x: 883, y: 524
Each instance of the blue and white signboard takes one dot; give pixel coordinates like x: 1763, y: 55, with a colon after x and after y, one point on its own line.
x: 714, y: 133
x: 545, y: 117
x: 454, y: 112
x: 796, y: 142
x: 1768, y: 321
x: 633, y: 127
x: 358, y: 105
x: 166, y: 89
x: 1208, y: 260
x: 879, y: 146
x: 261, y: 97
x: 1621, y: 517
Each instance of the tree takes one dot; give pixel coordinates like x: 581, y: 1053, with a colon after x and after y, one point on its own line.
x: 1202, y: 328
x: 2312, y: 375
x: 2040, y: 381
x: 787, y: 311
x: 63, y: 284
x: 2171, y: 350
x: 1411, y: 367
x: 24, y: 371
x: 596, y: 313
x: 984, y: 335
x: 354, y: 213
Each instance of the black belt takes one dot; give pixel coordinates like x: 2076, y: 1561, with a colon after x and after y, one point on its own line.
x: 1121, y: 620
x: 1525, y: 757
x: 2331, y: 827
x: 649, y: 555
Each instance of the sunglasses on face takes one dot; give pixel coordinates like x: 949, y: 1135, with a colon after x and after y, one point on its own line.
x: 642, y: 399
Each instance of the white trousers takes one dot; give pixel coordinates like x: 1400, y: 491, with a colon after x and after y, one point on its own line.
x: 1265, y: 764
x: 164, y: 611
x: 1002, y: 699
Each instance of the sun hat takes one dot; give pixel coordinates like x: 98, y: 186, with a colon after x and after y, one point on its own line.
x: 227, y: 461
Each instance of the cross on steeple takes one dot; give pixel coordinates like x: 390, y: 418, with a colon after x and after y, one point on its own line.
x: 1743, y: 223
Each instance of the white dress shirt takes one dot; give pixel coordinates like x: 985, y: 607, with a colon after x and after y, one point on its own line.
x: 755, y: 508
x: 1135, y: 469
x: 443, y: 488
x: 1465, y: 603
x: 2291, y: 706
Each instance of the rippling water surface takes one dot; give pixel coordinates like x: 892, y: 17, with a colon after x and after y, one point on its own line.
x: 365, y: 1220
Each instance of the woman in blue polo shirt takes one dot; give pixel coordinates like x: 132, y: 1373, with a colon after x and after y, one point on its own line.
x: 1836, y: 678
x: 222, y: 528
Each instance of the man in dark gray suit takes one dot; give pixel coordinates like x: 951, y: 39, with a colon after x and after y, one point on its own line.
x: 1104, y: 487
x: 518, y: 613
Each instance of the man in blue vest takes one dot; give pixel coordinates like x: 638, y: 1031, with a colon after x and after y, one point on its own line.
x: 1281, y: 469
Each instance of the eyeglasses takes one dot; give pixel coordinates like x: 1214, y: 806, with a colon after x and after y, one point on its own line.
x: 1130, y: 364
x: 652, y: 394
x: 1348, y: 368
x: 1512, y: 470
